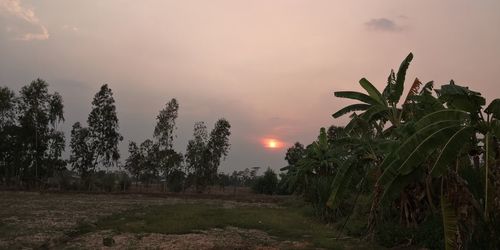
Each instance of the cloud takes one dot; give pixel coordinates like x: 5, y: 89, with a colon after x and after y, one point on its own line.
x: 68, y: 27
x: 21, y: 21
x: 383, y: 24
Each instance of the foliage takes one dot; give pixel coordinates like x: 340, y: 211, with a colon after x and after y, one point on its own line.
x: 31, y: 146
x: 196, y: 154
x: 169, y: 161
x: 204, y: 153
x: 267, y: 183
x: 397, y: 150
x: 97, y: 144
x: 175, y: 182
x: 103, y: 128
x: 166, y: 124
x: 81, y: 151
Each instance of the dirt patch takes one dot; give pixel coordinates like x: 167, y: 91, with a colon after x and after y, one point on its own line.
x: 31, y: 219
x: 227, y: 238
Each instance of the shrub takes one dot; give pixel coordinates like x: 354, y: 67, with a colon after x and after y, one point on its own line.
x: 175, y: 181
x: 266, y: 184
x: 318, y: 193
x: 392, y: 234
x: 104, y: 181
x: 124, y: 181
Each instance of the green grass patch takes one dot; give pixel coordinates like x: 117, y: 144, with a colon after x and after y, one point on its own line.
x: 284, y: 223
x: 7, y: 230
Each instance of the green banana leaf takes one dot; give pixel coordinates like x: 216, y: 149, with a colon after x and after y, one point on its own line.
x: 372, y: 91
x: 356, y: 96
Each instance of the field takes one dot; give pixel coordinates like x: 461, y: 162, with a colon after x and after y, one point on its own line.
x: 94, y: 221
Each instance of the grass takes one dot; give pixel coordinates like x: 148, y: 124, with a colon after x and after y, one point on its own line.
x: 284, y: 223
x: 33, y: 220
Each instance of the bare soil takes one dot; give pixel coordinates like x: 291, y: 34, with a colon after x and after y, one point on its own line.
x: 228, y: 238
x: 31, y: 220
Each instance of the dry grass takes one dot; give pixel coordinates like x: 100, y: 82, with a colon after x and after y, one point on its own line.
x: 72, y: 220
x: 31, y: 219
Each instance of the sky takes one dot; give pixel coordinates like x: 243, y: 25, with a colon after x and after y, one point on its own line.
x: 268, y: 66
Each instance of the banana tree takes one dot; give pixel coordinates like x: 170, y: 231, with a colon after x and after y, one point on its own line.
x: 441, y: 138
x: 377, y: 106
x: 319, y: 160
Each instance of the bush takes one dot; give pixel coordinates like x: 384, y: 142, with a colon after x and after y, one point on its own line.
x: 175, y: 181
x: 318, y: 193
x: 65, y: 181
x: 104, y: 181
x: 284, y: 185
x: 124, y: 181
x: 430, y: 233
x: 266, y: 184
x: 391, y: 234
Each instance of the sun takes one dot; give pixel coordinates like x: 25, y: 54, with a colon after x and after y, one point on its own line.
x: 272, y: 143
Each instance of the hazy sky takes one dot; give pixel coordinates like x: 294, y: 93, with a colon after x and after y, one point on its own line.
x: 270, y: 67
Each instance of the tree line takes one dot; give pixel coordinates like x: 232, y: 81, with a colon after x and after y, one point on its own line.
x: 417, y: 169
x: 31, y: 145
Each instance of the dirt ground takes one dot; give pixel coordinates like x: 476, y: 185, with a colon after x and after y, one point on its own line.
x: 227, y: 238
x: 34, y: 220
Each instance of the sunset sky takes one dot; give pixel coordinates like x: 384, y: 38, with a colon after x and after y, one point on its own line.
x: 270, y: 67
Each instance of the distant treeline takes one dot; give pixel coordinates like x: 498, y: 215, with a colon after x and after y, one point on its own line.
x: 31, y: 146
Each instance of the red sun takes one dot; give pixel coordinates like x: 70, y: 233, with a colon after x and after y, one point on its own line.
x: 272, y: 143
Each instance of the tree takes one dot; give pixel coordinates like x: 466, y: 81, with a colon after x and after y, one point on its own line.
x: 196, y: 154
x: 97, y: 143
x: 204, y: 154
x: 39, y: 112
x: 449, y: 139
x: 9, y: 147
x: 168, y: 159
x: 82, y: 156
x: 103, y: 128
x: 295, y: 153
x: 165, y: 125
x: 218, y: 146
x: 133, y: 164
x: 443, y: 138
x: 143, y: 162
x: 7, y: 107
x: 267, y: 183
x: 376, y: 105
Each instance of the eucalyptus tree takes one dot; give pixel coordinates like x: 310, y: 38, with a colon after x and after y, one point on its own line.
x: 133, y: 164
x: 82, y: 155
x: 97, y: 144
x: 38, y: 113
x: 204, y: 153
x: 103, y: 127
x: 7, y: 107
x: 150, y: 164
x: 9, y: 151
x: 169, y: 160
x: 196, y: 154
x: 218, y: 146
x: 165, y: 126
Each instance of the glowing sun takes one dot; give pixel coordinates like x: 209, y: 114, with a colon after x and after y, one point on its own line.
x: 272, y: 143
